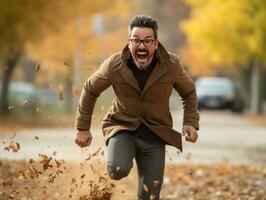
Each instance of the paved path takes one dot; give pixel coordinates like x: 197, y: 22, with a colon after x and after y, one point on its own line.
x: 222, y: 135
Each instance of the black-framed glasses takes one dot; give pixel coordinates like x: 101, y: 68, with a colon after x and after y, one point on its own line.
x: 137, y: 42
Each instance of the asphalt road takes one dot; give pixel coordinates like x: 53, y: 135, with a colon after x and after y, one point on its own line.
x: 222, y: 135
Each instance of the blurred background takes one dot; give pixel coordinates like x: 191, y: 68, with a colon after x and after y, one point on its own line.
x: 49, y: 48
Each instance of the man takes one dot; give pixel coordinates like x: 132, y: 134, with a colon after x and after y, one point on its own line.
x: 139, y: 124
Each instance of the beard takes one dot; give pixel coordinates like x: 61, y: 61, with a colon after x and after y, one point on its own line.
x: 142, y: 58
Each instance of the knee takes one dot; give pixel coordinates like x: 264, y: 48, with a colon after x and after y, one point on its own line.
x: 116, y: 172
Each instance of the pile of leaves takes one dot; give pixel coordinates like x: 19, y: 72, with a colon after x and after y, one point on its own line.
x: 49, y: 178
x: 217, y: 181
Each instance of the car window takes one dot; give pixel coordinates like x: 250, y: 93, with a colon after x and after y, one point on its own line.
x: 214, y: 87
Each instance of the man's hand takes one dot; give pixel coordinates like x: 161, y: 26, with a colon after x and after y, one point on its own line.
x: 83, y: 138
x: 190, y: 132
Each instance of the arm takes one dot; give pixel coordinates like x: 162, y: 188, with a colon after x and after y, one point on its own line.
x: 186, y: 89
x: 92, y: 89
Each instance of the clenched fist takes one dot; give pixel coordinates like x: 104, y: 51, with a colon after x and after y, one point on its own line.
x: 83, y: 138
x: 190, y: 133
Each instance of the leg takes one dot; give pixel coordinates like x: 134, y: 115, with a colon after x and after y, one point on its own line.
x: 150, y: 162
x: 120, y: 153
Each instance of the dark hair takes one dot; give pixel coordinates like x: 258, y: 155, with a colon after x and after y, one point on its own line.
x: 143, y: 21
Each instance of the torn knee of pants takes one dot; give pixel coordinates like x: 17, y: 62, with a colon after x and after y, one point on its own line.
x: 116, y: 173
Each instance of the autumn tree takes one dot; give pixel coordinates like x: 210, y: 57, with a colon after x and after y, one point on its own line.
x: 71, y: 55
x: 28, y: 20
x: 231, y: 33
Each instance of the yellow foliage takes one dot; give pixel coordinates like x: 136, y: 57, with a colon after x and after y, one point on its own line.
x: 198, y: 62
x: 228, y: 31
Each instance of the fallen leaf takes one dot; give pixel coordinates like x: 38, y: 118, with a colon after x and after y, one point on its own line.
x: 145, y: 188
x: 33, y: 172
x: 45, y: 161
x: 92, y: 169
x: 152, y: 197
x: 25, y: 103
x: 68, y: 61
x: 58, y: 164
x: 11, y: 108
x: 8, y: 182
x: 51, y: 178
x: 21, y: 175
x: 61, y: 95
x: 37, y: 67
x: 73, y: 181
x: 12, y: 146
x: 75, y: 91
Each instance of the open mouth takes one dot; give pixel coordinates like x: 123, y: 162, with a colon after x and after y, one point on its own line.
x: 142, y: 55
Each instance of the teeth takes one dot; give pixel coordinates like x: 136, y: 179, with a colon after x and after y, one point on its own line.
x: 142, y: 53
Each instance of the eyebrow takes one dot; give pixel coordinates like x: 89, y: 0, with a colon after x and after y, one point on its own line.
x: 144, y: 37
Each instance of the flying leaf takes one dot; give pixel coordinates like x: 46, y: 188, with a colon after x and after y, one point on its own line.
x: 145, y: 188
x: 12, y: 146
x: 37, y: 67
x: 25, y: 103
x: 61, y: 95
x: 11, y: 108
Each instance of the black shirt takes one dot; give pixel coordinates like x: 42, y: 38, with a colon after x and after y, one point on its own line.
x: 142, y: 77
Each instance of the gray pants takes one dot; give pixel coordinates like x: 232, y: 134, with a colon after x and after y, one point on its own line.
x: 150, y: 158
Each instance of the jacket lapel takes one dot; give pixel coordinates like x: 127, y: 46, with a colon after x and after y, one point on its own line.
x: 128, y: 76
x: 158, y: 71
x: 160, y: 68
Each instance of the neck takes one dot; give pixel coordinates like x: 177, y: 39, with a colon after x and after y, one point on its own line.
x: 132, y: 61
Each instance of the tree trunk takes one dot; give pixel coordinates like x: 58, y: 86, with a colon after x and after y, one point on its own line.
x: 255, y: 89
x: 68, y: 100
x: 10, y: 65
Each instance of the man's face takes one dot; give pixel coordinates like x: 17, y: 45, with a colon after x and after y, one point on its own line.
x: 142, y: 45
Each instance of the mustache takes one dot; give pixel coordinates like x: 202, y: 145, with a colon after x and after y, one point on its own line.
x: 142, y: 50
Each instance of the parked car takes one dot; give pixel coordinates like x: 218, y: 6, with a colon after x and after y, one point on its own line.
x: 23, y: 91
x: 219, y: 93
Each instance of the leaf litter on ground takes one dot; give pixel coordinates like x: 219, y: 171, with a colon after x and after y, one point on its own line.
x: 50, y: 178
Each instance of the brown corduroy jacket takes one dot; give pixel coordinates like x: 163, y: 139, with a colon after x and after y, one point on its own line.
x: 131, y: 106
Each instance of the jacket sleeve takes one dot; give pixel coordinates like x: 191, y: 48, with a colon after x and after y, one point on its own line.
x: 185, y: 87
x: 92, y: 88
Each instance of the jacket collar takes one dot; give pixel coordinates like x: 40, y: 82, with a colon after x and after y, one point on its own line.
x: 160, y: 69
